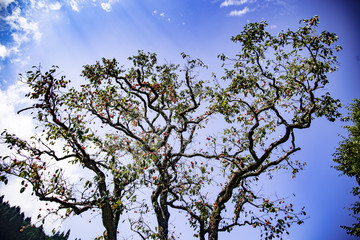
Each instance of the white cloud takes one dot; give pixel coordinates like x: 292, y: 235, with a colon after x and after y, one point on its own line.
x: 19, y: 38
x: 74, y: 5
x: 227, y: 3
x: 24, y: 22
x: 23, y: 30
x: 23, y: 61
x: 162, y: 14
x: 4, y: 52
x: 44, y: 5
x: 108, y: 6
x: 55, y: 6
x: 40, y: 4
x: 11, y: 101
x: 239, y: 12
x: 23, y: 26
x: 5, y: 3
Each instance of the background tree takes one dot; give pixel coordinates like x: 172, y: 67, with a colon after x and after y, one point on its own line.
x: 347, y: 156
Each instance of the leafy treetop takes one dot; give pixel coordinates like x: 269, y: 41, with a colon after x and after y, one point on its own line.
x: 347, y: 157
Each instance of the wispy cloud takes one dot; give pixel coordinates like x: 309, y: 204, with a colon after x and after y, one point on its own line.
x: 22, y: 22
x: 22, y: 25
x: 74, y: 5
x: 4, y: 52
x: 55, y: 6
x: 161, y: 14
x: 108, y: 6
x: 23, y: 30
x: 10, y: 101
x: 5, y: 3
x: 228, y: 3
x: 239, y: 12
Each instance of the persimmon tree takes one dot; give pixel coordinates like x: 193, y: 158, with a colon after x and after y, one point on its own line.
x: 142, y: 140
x: 155, y: 113
x: 275, y: 88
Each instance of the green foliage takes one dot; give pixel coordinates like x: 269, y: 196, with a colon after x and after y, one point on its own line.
x: 139, y: 135
x: 274, y: 87
x: 347, y: 156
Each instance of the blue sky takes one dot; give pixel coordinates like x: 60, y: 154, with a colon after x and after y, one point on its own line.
x: 73, y: 33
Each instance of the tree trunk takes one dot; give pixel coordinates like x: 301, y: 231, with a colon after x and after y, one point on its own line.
x: 214, y: 225
x: 108, y: 222
x: 162, y: 212
x: 163, y: 229
x: 202, y: 233
x: 165, y: 216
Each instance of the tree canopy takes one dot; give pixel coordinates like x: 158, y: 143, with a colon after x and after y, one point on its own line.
x: 145, y: 141
x: 347, y: 157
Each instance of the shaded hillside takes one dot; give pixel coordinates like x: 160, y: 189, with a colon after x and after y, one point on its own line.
x: 14, y: 226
